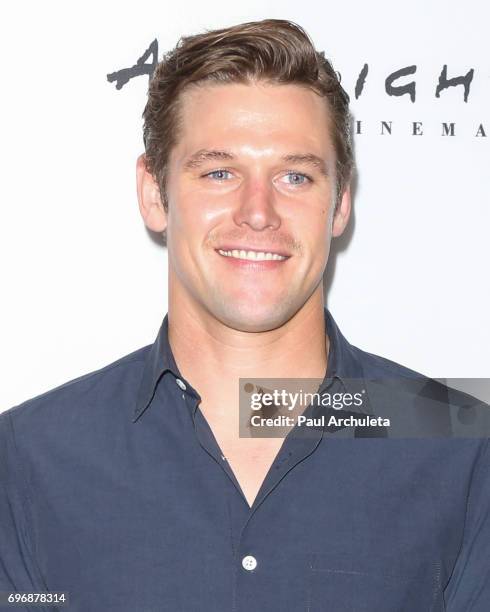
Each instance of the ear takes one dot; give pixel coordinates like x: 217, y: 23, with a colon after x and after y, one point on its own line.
x: 149, y: 200
x: 342, y: 213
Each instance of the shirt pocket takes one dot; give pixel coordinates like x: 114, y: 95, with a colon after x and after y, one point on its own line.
x: 373, y: 585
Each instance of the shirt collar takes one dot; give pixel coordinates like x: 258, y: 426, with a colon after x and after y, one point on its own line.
x: 159, y: 360
x: 343, y: 364
x: 343, y: 361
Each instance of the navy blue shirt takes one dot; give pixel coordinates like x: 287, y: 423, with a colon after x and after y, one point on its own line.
x: 114, y: 490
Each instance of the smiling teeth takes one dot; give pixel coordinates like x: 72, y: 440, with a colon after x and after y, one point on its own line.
x: 252, y: 255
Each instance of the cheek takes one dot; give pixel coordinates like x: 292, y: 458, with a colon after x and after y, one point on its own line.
x: 315, y: 235
x: 192, y: 218
x: 313, y: 226
x: 195, y: 210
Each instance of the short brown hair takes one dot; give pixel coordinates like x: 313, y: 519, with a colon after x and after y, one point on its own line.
x: 272, y: 50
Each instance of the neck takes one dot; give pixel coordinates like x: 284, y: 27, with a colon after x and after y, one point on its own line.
x: 212, y: 356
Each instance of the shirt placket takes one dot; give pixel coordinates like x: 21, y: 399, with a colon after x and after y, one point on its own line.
x: 298, y: 445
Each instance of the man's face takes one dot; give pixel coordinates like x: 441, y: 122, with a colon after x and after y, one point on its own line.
x: 251, y: 188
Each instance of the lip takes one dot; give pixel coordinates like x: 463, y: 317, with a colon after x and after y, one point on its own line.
x: 234, y: 247
x: 250, y: 265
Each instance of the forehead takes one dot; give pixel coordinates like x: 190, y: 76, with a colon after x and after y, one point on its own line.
x: 255, y: 114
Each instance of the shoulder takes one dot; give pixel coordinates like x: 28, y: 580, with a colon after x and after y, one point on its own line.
x: 396, y: 375
x: 114, y: 384
x: 49, y: 437
x: 375, y: 365
x: 382, y: 369
x: 424, y: 406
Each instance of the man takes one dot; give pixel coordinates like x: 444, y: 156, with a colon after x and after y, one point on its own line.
x: 130, y: 488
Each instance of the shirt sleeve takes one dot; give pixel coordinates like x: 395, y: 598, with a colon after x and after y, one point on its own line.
x: 469, y: 586
x: 18, y: 569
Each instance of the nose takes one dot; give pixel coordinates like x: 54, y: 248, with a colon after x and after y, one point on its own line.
x: 256, y: 207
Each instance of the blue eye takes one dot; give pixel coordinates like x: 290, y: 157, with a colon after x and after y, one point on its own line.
x: 296, y: 178
x: 220, y: 175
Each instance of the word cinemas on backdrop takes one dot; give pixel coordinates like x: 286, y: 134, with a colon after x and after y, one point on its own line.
x: 400, y: 83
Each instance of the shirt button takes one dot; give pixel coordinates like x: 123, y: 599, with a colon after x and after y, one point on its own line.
x: 181, y: 384
x: 249, y: 563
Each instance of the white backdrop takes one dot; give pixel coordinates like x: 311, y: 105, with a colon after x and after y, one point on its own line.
x: 83, y: 281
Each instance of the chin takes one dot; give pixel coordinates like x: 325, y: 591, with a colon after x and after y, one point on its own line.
x: 254, y: 317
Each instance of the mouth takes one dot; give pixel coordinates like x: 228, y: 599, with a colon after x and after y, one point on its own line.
x: 252, y: 255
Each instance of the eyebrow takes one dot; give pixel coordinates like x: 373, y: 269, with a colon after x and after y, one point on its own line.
x: 198, y: 158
